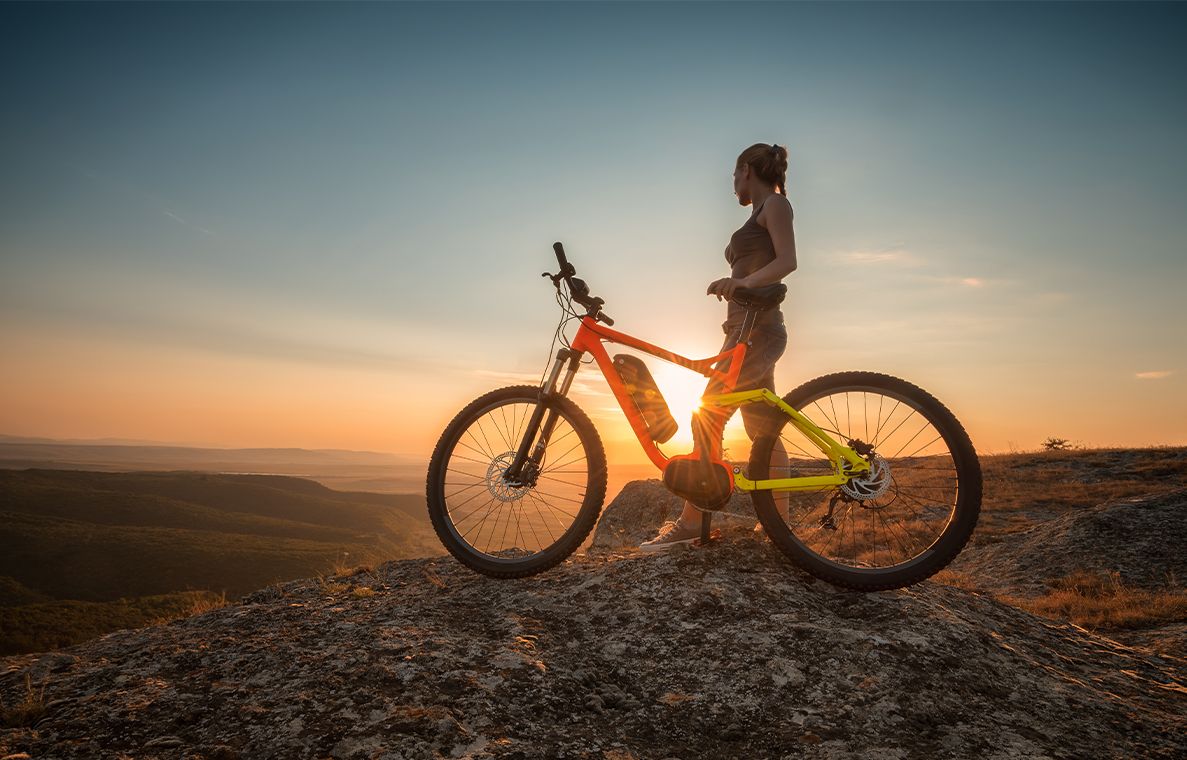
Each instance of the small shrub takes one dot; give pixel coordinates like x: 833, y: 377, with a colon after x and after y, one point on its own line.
x: 1057, y: 444
x: 207, y: 603
x: 29, y: 711
x: 329, y: 586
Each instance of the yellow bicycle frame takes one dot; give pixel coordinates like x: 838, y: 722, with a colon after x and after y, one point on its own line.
x: 846, y: 462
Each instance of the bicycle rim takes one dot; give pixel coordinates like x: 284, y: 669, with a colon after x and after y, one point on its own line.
x: 496, y: 521
x: 893, y: 518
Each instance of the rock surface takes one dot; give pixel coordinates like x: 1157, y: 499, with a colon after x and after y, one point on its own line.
x: 717, y: 652
x: 642, y: 506
x: 726, y: 651
x: 1139, y: 538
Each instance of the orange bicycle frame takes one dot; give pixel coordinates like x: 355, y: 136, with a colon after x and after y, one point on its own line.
x: 589, y: 339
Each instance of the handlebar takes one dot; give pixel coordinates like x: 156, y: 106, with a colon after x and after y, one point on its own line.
x: 577, y: 287
x: 566, y: 267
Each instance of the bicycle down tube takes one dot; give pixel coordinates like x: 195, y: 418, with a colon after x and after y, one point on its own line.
x: 589, y: 338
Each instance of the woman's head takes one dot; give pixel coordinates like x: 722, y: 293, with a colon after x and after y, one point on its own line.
x: 762, y: 164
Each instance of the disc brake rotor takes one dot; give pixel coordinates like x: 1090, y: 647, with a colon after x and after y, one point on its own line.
x: 872, y: 484
x: 499, y: 488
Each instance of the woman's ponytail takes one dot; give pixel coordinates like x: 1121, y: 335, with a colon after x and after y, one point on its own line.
x: 769, y: 163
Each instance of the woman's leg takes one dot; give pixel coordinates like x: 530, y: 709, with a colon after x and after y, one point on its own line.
x: 713, y: 420
x: 758, y: 371
x: 760, y: 419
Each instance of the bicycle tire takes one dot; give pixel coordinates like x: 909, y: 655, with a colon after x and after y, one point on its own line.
x: 586, y: 517
x: 940, y: 552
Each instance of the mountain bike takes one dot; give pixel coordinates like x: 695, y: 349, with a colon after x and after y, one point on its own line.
x: 865, y: 481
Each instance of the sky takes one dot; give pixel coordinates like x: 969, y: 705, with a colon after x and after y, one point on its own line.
x: 323, y: 225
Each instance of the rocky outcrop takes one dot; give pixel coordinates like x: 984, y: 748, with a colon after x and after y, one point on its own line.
x: 725, y: 651
x: 642, y: 506
x: 1139, y: 538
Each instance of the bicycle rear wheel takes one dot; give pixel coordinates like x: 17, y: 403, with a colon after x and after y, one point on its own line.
x: 899, y: 524
x: 504, y: 530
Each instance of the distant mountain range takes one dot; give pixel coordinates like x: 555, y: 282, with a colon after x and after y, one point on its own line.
x: 175, y: 445
x: 337, y: 468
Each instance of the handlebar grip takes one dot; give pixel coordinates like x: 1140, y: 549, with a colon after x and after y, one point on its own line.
x: 560, y: 255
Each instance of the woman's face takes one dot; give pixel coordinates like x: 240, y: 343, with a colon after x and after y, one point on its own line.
x: 741, y: 184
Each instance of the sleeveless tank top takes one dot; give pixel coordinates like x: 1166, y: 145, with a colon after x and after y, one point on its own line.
x: 749, y: 250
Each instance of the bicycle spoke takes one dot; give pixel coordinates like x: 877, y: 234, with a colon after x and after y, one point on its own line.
x: 489, y: 508
x: 506, y: 440
x: 536, y: 501
x: 877, y: 432
x: 556, y: 496
x: 835, y: 415
x: 924, y: 446
x: 467, y: 459
x: 797, y: 446
x: 865, y: 414
x: 558, y: 480
x: 460, y: 490
x: 566, y: 464
x: 493, y: 516
x: 476, y: 451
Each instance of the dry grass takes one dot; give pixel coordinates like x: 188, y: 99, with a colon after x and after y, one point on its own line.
x: 206, y: 603
x: 199, y: 602
x: 948, y: 577
x: 328, y: 585
x: 1098, y: 601
x: 359, y: 580
x: 28, y: 711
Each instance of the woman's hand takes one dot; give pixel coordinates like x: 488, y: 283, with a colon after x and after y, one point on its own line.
x: 724, y: 288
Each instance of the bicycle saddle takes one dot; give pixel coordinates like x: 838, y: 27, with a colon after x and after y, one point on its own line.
x: 760, y: 299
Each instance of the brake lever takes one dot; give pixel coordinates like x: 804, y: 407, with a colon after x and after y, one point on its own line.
x: 568, y: 271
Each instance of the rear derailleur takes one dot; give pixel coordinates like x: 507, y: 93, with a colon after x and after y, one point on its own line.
x: 840, y: 496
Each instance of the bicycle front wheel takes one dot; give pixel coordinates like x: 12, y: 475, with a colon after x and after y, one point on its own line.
x: 512, y: 531
x: 896, y: 525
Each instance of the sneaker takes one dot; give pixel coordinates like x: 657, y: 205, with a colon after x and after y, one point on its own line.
x: 672, y: 532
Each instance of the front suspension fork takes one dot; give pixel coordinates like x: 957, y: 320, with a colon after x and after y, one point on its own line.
x: 525, y: 468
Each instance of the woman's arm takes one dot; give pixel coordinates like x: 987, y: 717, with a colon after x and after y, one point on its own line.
x: 778, y: 224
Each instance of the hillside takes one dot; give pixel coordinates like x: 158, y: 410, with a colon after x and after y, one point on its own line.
x: 101, y: 537
x: 723, y: 652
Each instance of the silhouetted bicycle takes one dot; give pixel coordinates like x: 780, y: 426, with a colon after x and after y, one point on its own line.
x: 879, y: 482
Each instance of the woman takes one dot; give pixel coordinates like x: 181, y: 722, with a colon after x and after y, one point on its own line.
x: 761, y: 252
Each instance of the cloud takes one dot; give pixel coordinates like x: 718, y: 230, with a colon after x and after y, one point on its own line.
x: 960, y: 282
x: 1157, y: 374
x: 177, y: 218
x: 585, y: 382
x: 143, y: 198
x: 891, y: 256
